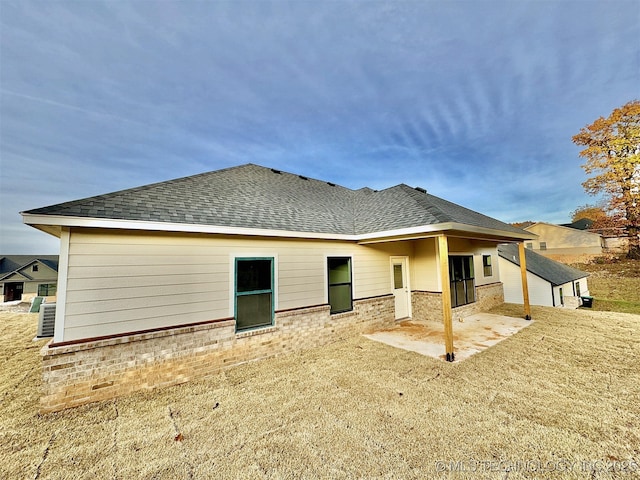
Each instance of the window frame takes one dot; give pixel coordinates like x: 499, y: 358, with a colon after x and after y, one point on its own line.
x: 487, y: 265
x: 543, y: 245
x: 455, y: 302
x: 350, y: 283
x: 236, y: 293
x: 48, y: 287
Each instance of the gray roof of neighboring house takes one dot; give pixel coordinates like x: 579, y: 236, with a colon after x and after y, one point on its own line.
x: 582, y: 224
x: 252, y: 196
x: 13, y: 263
x: 554, y: 272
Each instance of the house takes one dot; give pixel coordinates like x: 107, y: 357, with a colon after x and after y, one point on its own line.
x: 580, y: 224
x: 550, y: 283
x: 23, y: 277
x: 176, y: 280
x: 561, y: 240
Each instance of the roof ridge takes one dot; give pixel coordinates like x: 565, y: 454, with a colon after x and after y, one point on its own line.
x: 299, y: 175
x: 417, y: 195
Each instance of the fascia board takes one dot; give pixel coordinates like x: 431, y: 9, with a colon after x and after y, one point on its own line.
x: 424, y: 231
x: 398, y: 234
x: 18, y: 273
x: 88, y: 222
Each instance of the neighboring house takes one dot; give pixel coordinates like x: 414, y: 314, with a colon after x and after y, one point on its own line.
x: 581, y: 224
x: 551, y: 283
x: 23, y: 277
x: 559, y: 240
x: 172, y: 281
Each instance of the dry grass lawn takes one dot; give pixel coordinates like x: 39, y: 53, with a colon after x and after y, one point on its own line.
x: 615, y: 283
x: 559, y: 399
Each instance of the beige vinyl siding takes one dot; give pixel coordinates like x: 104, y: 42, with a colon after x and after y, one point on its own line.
x: 461, y: 246
x: 118, y: 283
x: 424, y: 268
x: 121, y: 282
x: 478, y: 253
x: 372, y: 268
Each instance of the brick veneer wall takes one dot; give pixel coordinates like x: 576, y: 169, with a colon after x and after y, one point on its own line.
x: 428, y: 305
x: 107, y: 368
x: 487, y: 297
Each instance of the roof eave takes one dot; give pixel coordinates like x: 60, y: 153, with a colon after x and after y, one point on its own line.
x: 49, y: 223
x: 447, y: 228
x: 54, y: 223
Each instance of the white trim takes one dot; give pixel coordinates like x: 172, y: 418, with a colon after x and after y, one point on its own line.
x: 398, y: 234
x: 35, y: 220
x: 16, y: 272
x: 432, y: 231
x: 61, y: 292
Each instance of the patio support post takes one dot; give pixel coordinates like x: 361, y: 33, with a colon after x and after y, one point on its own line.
x: 525, y: 285
x: 443, y: 257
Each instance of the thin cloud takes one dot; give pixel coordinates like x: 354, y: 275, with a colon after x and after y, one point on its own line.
x: 68, y: 106
x: 461, y: 98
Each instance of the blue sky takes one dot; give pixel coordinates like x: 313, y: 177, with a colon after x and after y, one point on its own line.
x: 474, y: 101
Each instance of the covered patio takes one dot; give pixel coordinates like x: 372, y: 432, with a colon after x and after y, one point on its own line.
x: 471, y: 335
x: 451, y: 280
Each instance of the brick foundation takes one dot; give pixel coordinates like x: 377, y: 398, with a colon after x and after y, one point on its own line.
x: 428, y: 305
x: 487, y: 297
x: 107, y: 368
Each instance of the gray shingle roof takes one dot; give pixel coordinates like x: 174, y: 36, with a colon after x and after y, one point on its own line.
x: 12, y: 263
x: 582, y: 224
x: 554, y: 272
x: 252, y: 196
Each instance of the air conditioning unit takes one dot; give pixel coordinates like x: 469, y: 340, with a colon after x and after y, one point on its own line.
x: 46, y: 320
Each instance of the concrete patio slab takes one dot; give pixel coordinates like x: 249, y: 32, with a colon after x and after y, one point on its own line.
x: 472, y: 335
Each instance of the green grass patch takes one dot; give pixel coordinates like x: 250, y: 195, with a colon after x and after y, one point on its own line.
x: 623, y: 306
x: 614, y: 283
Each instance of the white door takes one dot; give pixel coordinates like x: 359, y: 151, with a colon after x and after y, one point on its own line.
x: 400, y: 284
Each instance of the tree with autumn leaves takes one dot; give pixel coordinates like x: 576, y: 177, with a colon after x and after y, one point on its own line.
x: 612, y: 156
x: 602, y: 221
